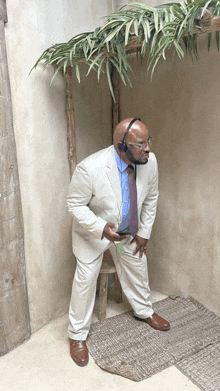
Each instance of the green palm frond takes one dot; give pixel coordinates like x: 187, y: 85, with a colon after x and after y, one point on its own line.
x: 151, y: 31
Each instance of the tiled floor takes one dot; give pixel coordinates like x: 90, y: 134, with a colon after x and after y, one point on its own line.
x: 43, y: 364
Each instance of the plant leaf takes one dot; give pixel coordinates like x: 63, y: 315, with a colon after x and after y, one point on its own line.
x: 209, y: 40
x: 77, y: 72
x: 109, y: 78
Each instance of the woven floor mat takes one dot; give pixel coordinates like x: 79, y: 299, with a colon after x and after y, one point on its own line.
x: 203, y: 368
x: 131, y: 348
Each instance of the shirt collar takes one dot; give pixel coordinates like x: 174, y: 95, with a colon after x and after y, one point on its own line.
x: 120, y: 163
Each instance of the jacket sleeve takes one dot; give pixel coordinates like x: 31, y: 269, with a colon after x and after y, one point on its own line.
x: 80, y: 193
x: 149, y: 208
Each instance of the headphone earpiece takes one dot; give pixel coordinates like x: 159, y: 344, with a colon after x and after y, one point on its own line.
x: 122, y: 146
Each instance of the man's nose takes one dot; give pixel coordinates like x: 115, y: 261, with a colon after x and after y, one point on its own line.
x: 147, y: 148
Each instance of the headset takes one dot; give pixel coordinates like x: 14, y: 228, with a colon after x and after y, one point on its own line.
x: 122, y: 146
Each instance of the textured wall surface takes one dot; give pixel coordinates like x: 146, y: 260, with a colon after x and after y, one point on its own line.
x: 93, y: 111
x: 41, y: 138
x: 181, y: 109
x: 151, y: 3
x: 14, y: 311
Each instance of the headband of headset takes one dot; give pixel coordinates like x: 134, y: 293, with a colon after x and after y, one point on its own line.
x: 122, y: 146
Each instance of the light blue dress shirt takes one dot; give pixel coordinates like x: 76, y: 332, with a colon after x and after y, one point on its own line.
x: 124, y: 180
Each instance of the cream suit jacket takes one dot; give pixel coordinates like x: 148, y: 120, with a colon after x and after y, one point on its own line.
x: 95, y: 199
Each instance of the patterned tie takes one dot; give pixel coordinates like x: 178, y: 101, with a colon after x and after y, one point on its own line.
x: 133, y: 218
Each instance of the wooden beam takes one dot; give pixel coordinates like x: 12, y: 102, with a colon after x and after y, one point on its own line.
x: 206, y: 26
x: 14, y: 308
x: 116, y: 103
x: 70, y: 119
x: 3, y: 11
x: 209, y: 25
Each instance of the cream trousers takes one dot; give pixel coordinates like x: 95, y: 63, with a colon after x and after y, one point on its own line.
x: 133, y: 275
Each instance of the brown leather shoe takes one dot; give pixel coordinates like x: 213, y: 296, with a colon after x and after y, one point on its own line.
x: 79, y: 352
x: 157, y: 322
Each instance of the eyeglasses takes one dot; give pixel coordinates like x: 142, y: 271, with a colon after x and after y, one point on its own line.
x: 143, y: 145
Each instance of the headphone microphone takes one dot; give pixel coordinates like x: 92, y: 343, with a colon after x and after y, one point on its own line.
x: 122, y: 146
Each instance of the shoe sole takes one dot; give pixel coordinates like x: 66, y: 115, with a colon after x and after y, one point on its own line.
x: 80, y: 365
x: 162, y: 329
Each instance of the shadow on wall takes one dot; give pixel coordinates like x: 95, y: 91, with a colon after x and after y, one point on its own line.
x: 180, y: 107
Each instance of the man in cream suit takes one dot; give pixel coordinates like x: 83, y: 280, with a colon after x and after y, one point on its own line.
x: 111, y: 192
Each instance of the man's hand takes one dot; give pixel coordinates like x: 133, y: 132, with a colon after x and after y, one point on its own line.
x: 141, y: 245
x: 110, y: 234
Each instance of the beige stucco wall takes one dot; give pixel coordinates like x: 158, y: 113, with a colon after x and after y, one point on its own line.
x: 181, y: 109
x: 151, y: 3
x: 93, y: 113
x: 40, y: 131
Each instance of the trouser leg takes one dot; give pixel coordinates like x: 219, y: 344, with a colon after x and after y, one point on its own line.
x: 133, y: 275
x: 83, y: 298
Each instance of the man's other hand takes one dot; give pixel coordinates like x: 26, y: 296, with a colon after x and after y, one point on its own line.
x: 141, y: 245
x: 110, y: 234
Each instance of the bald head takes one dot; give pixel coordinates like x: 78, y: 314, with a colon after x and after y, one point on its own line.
x: 137, y: 129
x: 138, y: 133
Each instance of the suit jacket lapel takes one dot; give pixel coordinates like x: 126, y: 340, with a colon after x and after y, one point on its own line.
x: 139, y: 181
x: 113, y: 177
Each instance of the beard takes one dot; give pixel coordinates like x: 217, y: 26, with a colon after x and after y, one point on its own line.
x: 132, y: 159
